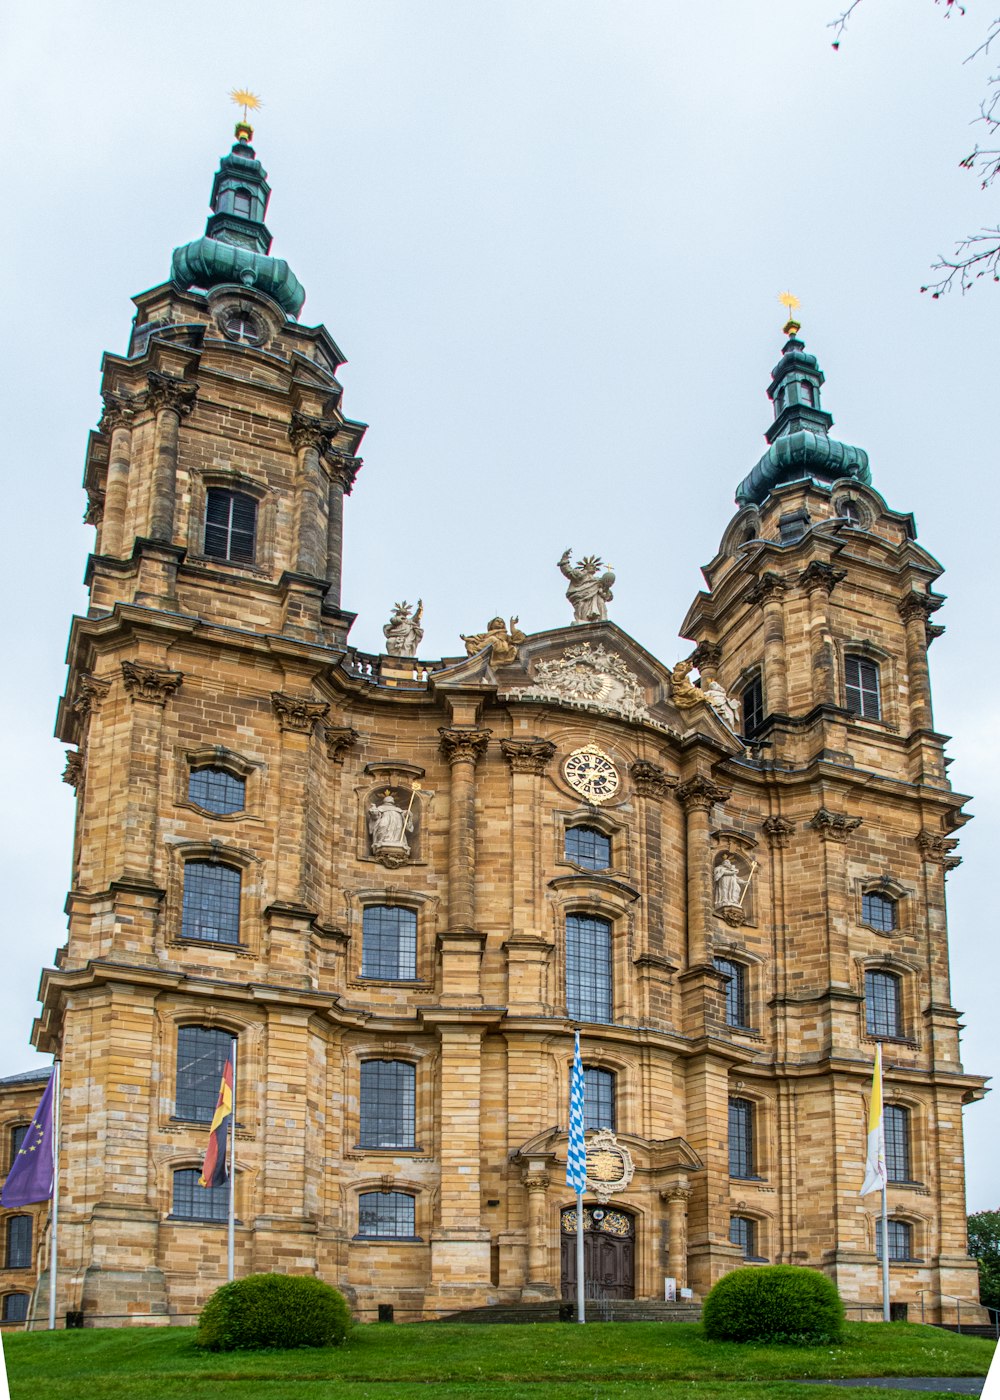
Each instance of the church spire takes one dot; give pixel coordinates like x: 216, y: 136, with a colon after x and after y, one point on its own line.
x: 800, y: 445
x: 236, y: 244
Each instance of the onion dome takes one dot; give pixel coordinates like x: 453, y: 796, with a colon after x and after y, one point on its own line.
x: 800, y: 447
x: 236, y: 244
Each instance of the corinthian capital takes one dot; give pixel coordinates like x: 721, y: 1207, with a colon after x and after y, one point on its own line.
x: 768, y: 588
x: 650, y: 779
x: 819, y: 574
x: 119, y: 410
x: 464, y: 743
x: 701, y: 792
x: 298, y: 713
x: 153, y: 683
x: 343, y: 468
x: 73, y: 772
x: 306, y: 431
x: 777, y: 830
x: 527, y: 755
x: 918, y: 605
x: 167, y: 391
x: 834, y: 826
x: 90, y: 691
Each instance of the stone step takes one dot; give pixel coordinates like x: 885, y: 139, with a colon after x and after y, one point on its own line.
x: 611, y: 1310
x: 969, y: 1329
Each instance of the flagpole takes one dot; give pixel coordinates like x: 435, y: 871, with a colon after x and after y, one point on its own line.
x: 581, y: 1309
x: 885, y: 1258
x: 54, y: 1230
x: 232, y: 1176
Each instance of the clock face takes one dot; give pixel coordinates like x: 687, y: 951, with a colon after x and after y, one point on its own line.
x: 591, y: 773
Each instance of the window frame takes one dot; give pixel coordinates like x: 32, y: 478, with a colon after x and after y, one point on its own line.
x: 738, y: 982
x: 856, y: 691
x: 202, y: 1090
x: 606, y: 1085
x: 386, y: 1196
x: 14, y: 1249
x: 749, y: 1244
x: 898, y: 1143
x: 899, y: 1229
x: 215, y: 1196
x: 742, y: 1145
x: 206, y: 863
x: 223, y: 770
x: 369, y: 937
x: 17, y: 1133
x: 601, y: 988
x: 593, y: 831
x: 877, y: 922
x: 873, y: 1008
x: 753, y: 691
x: 235, y: 499
x: 372, y: 1098
x: 4, y: 1313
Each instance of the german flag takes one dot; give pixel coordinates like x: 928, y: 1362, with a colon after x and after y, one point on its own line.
x: 215, y: 1171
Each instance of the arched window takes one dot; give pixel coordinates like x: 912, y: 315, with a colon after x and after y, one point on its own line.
x: 883, y: 1004
x: 736, y: 991
x: 202, y: 1052
x: 807, y: 394
x: 897, y: 1142
x: 588, y: 968
x: 743, y: 1232
x: 861, y: 686
x: 879, y: 911
x: 850, y: 511
x: 211, y: 902
x: 15, y: 1307
x: 598, y: 1098
x: 193, y: 1202
x: 387, y: 1103
x: 900, y: 1240
x: 388, y: 943
x: 242, y: 203
x: 230, y: 524
x: 752, y: 706
x: 19, y: 1231
x: 387, y: 1215
x: 588, y: 847
x: 741, y: 1138
x: 217, y: 790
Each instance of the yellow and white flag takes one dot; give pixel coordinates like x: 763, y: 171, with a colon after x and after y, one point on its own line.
x: 875, y: 1172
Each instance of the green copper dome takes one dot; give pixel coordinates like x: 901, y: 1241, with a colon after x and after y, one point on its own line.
x: 236, y: 244
x: 800, y: 446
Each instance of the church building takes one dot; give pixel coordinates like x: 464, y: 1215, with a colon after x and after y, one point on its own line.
x: 401, y: 884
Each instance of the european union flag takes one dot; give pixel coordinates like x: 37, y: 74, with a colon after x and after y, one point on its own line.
x: 30, y: 1178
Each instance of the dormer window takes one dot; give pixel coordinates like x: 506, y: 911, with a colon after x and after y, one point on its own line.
x: 243, y: 327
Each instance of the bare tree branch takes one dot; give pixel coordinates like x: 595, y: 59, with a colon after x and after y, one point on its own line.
x: 975, y: 257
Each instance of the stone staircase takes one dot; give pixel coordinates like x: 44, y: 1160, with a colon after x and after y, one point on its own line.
x: 969, y: 1329
x: 602, y: 1310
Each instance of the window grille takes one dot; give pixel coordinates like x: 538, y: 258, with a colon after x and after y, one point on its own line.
x: 217, y: 791
x: 736, y: 991
x: 879, y: 910
x: 389, y: 943
x: 598, y: 1098
x: 743, y: 1232
x: 862, y: 687
x: 388, y: 1103
x: 211, y: 902
x: 588, y: 968
x: 386, y: 1215
x: 900, y: 1240
x: 230, y: 525
x: 752, y: 704
x: 587, y: 847
x: 897, y: 1142
x: 741, y: 1154
x: 19, y: 1242
x: 201, y: 1057
x: 194, y: 1202
x: 15, y: 1307
x: 882, y: 1004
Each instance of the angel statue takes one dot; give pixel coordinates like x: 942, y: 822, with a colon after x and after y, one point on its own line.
x: 403, y: 633
x: 588, y: 592
x: 504, y: 643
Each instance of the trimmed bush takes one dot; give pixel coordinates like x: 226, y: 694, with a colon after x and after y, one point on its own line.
x: 774, y: 1303
x: 274, y: 1310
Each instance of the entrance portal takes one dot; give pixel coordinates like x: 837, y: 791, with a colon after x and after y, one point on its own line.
x: 608, y: 1252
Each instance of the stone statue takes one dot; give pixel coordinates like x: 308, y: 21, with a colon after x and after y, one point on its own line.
x: 727, y: 710
x: 683, y: 691
x: 403, y: 633
x: 728, y: 886
x: 504, y: 643
x: 588, y: 592
x: 389, y: 826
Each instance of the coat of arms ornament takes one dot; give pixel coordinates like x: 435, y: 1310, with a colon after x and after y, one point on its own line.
x: 589, y: 676
x: 609, y: 1165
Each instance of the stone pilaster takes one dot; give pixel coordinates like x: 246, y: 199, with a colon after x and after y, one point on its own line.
x: 698, y: 795
x: 768, y: 593
x: 528, y: 948
x: 834, y: 830
x: 677, y: 1198
x: 149, y: 687
x: 297, y: 717
x: 536, y: 1184
x: 461, y: 945
x: 171, y: 399
x: 654, y: 970
x: 343, y: 469
x: 819, y: 579
x: 311, y: 437
x: 119, y: 411
x: 916, y: 610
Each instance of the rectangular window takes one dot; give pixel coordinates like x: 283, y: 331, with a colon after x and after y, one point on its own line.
x: 202, y: 1053
x: 882, y: 1004
x: 736, y: 991
x: 897, y: 1142
x: 15, y: 1307
x: 752, y: 706
x: 744, y: 1233
x: 211, y: 902
x: 19, y: 1242
x: 587, y: 847
x: 386, y: 1215
x: 741, y: 1154
x: 17, y: 1135
x: 900, y: 1240
x: 598, y: 1098
x: 588, y: 968
x: 862, y: 687
x: 217, y: 791
x: 230, y: 522
x: 388, y: 1103
x: 879, y: 912
x: 194, y: 1202
x: 389, y: 943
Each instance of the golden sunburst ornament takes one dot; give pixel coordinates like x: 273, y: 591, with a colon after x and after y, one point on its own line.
x: 791, y: 304
x: 246, y: 99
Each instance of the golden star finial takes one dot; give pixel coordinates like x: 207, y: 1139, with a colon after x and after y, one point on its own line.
x: 246, y: 99
x: 792, y: 304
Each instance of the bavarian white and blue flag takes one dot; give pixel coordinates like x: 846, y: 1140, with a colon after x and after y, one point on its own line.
x: 576, y: 1152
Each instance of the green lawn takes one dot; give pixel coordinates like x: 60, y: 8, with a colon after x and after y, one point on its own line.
x: 611, y: 1361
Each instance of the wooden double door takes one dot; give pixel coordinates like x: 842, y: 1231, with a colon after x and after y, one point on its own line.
x: 608, y: 1252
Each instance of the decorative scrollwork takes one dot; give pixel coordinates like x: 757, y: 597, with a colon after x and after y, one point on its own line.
x: 298, y: 713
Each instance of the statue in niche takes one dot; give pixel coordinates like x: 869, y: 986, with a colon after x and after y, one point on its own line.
x: 589, y: 590
x: 504, y: 643
x: 403, y: 633
x: 388, y: 829
x: 727, y: 710
x: 729, y: 888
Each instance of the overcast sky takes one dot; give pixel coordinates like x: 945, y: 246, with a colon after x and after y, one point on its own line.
x: 550, y: 237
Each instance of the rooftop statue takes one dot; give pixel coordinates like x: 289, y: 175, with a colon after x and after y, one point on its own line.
x: 403, y: 633
x: 588, y: 592
x: 504, y: 643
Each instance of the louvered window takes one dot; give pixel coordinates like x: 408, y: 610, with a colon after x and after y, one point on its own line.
x: 862, y: 687
x: 230, y: 525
